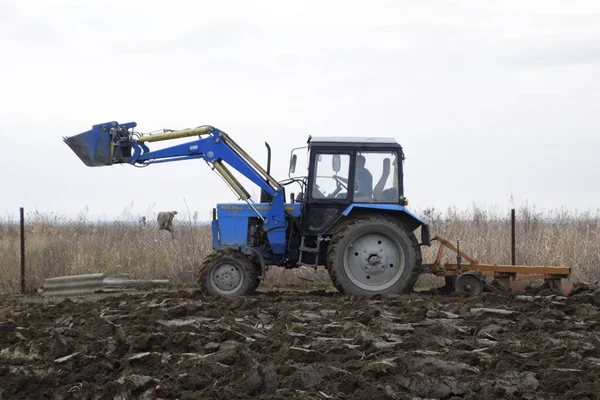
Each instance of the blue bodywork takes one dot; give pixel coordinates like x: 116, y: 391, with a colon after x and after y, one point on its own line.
x: 411, y: 221
x: 390, y: 207
x: 230, y: 229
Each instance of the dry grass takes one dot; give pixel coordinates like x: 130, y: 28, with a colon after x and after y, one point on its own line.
x: 559, y: 238
x: 61, y: 246
x: 57, y: 246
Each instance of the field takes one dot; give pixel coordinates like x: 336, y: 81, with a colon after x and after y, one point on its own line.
x: 296, y: 338
x: 303, y: 345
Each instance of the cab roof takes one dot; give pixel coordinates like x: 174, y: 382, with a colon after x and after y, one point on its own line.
x: 352, y: 141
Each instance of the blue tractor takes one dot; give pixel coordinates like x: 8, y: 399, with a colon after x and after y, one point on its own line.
x: 349, y: 214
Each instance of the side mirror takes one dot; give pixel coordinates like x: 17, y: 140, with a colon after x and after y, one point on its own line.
x: 293, y: 163
x: 336, y: 163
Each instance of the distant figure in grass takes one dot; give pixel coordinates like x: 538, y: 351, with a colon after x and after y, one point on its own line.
x: 165, y: 221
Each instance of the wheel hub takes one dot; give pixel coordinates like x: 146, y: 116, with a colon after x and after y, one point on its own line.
x: 227, y: 277
x: 374, y: 259
x: 374, y: 262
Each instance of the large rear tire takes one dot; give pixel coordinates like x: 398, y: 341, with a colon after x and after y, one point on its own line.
x: 374, y: 255
x: 228, y: 273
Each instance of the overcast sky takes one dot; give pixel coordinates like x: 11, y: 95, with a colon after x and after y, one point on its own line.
x: 491, y: 100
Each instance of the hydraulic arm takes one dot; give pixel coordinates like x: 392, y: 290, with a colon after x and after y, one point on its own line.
x: 114, y: 143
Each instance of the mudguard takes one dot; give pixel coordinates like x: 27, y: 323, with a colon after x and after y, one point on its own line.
x: 412, y: 221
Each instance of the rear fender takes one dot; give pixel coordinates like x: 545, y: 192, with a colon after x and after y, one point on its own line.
x: 408, y: 219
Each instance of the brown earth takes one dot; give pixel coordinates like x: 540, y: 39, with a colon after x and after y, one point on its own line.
x: 317, y: 345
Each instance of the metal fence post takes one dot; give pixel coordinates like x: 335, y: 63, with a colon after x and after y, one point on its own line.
x: 512, y: 237
x: 22, y: 212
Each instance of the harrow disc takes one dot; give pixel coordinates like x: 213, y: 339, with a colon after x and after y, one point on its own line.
x: 469, y: 283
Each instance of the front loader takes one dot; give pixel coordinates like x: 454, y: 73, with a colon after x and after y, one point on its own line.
x: 350, y: 214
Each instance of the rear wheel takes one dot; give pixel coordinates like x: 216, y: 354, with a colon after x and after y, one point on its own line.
x: 374, y: 255
x: 228, y: 273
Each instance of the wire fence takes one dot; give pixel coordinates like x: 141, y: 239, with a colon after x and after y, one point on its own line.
x: 60, y: 245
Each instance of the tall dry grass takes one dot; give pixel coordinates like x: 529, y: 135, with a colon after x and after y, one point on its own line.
x: 58, y: 245
x: 549, y: 238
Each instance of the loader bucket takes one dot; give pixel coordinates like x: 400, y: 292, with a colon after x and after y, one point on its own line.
x: 94, y: 146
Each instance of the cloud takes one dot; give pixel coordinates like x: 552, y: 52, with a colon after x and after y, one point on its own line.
x: 25, y: 28
x: 555, y: 50
x: 215, y: 36
x: 6, y: 12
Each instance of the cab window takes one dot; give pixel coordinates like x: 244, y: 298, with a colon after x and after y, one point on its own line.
x: 376, y: 177
x: 331, y: 176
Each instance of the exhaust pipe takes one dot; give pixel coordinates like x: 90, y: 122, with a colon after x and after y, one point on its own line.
x: 264, y: 197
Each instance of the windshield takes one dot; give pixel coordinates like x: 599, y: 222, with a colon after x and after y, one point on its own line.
x: 331, y: 176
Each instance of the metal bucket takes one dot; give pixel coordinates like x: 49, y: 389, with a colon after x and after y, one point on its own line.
x: 94, y: 146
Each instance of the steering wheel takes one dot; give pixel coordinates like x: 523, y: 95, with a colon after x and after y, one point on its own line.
x: 340, y: 183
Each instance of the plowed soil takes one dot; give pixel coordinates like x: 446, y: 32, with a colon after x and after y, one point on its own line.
x: 317, y: 345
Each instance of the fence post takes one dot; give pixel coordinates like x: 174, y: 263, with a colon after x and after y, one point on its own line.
x: 512, y: 237
x: 22, y: 212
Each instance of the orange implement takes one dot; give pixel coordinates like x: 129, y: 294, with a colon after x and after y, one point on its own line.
x: 508, y: 275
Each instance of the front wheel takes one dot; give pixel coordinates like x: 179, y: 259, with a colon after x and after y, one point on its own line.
x: 374, y: 255
x: 228, y: 273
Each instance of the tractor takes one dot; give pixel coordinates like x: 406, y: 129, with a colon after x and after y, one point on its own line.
x: 349, y: 215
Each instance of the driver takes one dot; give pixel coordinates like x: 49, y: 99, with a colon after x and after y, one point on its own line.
x: 363, y: 178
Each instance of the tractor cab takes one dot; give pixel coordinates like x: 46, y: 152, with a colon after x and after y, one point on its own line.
x: 364, y: 170
x: 345, y: 173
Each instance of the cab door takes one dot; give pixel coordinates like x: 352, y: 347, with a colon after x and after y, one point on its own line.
x: 330, y: 188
